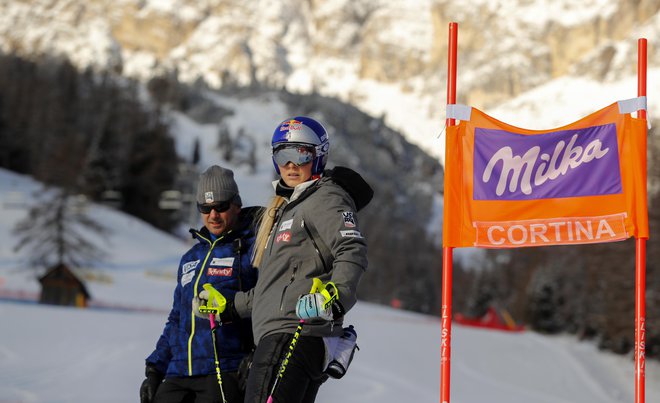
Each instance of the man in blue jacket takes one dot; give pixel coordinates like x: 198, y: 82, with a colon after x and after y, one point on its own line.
x: 185, y: 355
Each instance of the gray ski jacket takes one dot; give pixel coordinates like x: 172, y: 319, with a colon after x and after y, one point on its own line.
x: 315, y: 234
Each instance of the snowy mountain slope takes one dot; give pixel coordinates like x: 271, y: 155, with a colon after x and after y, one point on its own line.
x: 54, y: 354
x: 254, y: 186
x: 384, y: 56
x: 127, y: 250
x: 97, y: 355
x: 536, y: 64
x: 571, y: 98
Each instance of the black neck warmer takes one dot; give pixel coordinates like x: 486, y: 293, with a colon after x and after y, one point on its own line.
x: 283, y: 190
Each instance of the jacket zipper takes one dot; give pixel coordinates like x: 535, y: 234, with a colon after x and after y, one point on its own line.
x: 316, y: 247
x: 325, y: 266
x: 192, y: 316
x: 293, y: 277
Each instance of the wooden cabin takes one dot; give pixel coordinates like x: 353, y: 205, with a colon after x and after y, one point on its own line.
x: 59, y: 286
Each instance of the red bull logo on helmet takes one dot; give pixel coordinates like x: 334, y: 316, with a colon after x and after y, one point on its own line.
x: 291, y: 125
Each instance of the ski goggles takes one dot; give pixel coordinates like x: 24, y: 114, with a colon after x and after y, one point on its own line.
x: 298, y: 154
x: 220, y: 207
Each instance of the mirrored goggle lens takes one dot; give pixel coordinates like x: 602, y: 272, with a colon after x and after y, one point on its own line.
x: 299, y: 155
x: 218, y: 207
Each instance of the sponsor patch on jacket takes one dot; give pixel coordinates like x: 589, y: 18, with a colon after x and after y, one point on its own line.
x: 286, y: 225
x: 220, y: 271
x: 351, y: 234
x: 186, y: 267
x: 222, y: 261
x: 349, y: 219
x: 186, y: 278
x: 283, y: 237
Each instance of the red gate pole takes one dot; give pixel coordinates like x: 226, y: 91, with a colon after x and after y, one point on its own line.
x: 447, y: 251
x: 640, y: 256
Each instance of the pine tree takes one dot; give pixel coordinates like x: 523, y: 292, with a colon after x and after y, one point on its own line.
x: 56, y: 230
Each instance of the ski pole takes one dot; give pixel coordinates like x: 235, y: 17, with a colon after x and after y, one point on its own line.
x: 221, y: 302
x: 316, y: 285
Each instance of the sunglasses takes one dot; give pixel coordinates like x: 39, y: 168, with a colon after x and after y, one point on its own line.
x: 295, y: 153
x: 220, y: 207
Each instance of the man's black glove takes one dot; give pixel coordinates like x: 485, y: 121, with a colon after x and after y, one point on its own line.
x: 229, y: 314
x: 150, y: 385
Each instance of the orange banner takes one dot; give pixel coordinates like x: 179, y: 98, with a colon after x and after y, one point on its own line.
x: 509, y: 187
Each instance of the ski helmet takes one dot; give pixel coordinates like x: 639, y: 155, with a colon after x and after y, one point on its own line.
x: 304, y: 131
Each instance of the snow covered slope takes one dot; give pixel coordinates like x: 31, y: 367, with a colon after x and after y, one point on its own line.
x: 384, y: 56
x: 63, y: 355
x: 54, y: 354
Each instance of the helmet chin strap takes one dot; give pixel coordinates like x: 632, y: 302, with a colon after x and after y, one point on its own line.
x: 317, y: 170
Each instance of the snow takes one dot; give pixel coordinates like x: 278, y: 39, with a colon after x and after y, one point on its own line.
x: 315, y: 52
x: 175, y: 7
x: 571, y: 98
x: 540, y: 12
x: 52, y: 354
x: 409, y: 117
x: 97, y: 354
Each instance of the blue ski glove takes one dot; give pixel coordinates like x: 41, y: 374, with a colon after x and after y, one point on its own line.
x: 314, y: 306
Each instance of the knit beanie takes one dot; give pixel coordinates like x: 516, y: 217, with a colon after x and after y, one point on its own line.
x: 217, y: 184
